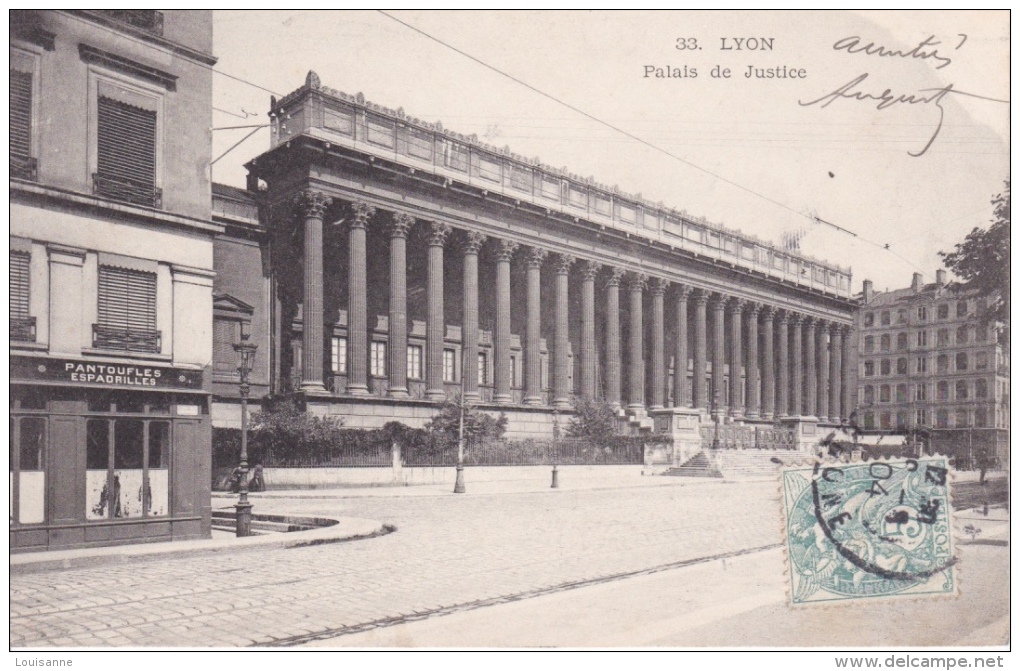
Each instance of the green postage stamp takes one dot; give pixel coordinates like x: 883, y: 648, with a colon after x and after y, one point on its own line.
x: 865, y: 530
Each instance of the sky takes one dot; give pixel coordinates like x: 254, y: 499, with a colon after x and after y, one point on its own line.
x: 885, y: 148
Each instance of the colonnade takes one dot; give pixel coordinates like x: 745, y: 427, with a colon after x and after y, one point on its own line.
x: 781, y: 372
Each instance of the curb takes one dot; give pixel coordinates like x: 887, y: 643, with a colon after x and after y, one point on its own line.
x: 345, y: 529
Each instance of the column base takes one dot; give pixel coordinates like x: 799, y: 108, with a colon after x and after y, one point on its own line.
x: 357, y: 389
x: 397, y: 392
x: 562, y: 403
x: 435, y: 395
x: 502, y: 399
x: 313, y: 388
x: 472, y: 396
x: 532, y: 400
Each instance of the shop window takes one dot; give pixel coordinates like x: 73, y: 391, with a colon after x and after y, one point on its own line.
x: 127, y: 464
x: 961, y: 361
x: 28, y: 470
x: 377, y: 359
x: 901, y: 341
x: 338, y: 355
x: 22, y: 324
x: 961, y: 390
x: 414, y: 353
x: 449, y: 365
x: 127, y: 311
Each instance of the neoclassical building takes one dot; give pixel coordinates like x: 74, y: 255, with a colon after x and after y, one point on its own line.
x: 409, y: 261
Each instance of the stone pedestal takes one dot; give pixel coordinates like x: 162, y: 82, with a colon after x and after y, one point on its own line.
x: 684, y: 426
x: 805, y: 431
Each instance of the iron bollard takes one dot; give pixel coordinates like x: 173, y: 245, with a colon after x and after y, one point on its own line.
x: 555, y: 479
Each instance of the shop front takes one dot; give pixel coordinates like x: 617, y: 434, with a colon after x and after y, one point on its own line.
x: 106, y: 453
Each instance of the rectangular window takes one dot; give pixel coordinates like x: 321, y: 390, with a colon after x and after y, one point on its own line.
x: 414, y: 362
x: 922, y: 365
x: 126, y: 136
x: 869, y: 318
x: 483, y: 369
x: 22, y: 325
x: 943, y: 311
x: 885, y: 318
x: 901, y: 393
x: 225, y: 334
x: 127, y: 311
x: 377, y: 363
x: 921, y: 418
x: 922, y: 314
x: 28, y: 470
x: 922, y: 338
x: 23, y: 163
x: 921, y: 393
x: 338, y: 355
x: 449, y: 365
x: 869, y: 368
x: 942, y: 338
x: 886, y: 367
x: 981, y: 361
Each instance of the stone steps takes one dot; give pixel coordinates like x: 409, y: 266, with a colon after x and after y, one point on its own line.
x: 736, y: 463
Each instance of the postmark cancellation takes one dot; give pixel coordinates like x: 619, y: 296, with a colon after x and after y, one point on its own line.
x: 862, y: 531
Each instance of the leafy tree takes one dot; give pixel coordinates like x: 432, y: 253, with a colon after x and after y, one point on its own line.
x: 982, y: 261
x: 479, y: 426
x: 593, y: 420
x: 287, y: 431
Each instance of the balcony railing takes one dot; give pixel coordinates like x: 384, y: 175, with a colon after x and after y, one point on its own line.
x: 128, y: 190
x: 23, y: 167
x: 23, y: 329
x: 126, y: 340
x: 145, y: 19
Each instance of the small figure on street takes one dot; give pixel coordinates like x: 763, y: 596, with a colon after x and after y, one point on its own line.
x: 234, y: 483
x: 257, y: 484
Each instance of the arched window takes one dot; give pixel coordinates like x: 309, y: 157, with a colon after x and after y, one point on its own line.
x: 961, y: 309
x: 886, y: 367
x: 942, y: 363
x: 942, y: 391
x: 961, y: 417
x: 883, y: 394
x: 942, y: 419
x: 869, y: 394
x: 901, y: 393
x: 901, y: 341
x: 869, y: 420
x: 961, y: 361
x: 901, y: 366
x: 980, y: 388
x: 886, y: 342
x: 961, y: 335
x: 961, y: 390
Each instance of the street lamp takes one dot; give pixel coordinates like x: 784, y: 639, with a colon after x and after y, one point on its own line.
x: 458, y: 485
x: 246, y: 350
x: 715, y: 418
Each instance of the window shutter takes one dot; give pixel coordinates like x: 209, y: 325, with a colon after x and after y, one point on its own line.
x: 21, y: 114
x: 224, y: 356
x: 127, y: 299
x: 126, y: 152
x: 19, y: 285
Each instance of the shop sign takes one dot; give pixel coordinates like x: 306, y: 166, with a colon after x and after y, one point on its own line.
x: 104, y: 374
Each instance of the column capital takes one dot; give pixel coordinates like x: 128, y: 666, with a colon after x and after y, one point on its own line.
x: 659, y: 286
x: 637, y: 281
x: 563, y: 263
x: 683, y: 291
x: 437, y: 233
x: 719, y: 301
x: 401, y: 225
x: 835, y: 328
x: 505, y: 249
x: 736, y: 304
x: 473, y: 242
x: 810, y: 322
x: 768, y: 312
x: 795, y: 318
x: 848, y: 330
x: 362, y: 212
x: 536, y: 257
x: 753, y: 309
x: 701, y: 296
x: 590, y: 269
x: 313, y: 203
x: 615, y: 274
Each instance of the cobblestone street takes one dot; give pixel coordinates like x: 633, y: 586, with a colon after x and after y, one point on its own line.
x: 448, y: 553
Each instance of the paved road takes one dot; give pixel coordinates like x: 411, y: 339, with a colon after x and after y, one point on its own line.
x: 450, y: 554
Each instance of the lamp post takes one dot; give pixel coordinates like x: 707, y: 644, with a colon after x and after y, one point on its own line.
x: 246, y: 350
x: 458, y: 485
x: 715, y: 418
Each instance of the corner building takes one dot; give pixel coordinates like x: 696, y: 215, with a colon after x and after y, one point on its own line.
x: 111, y: 277
x: 406, y: 256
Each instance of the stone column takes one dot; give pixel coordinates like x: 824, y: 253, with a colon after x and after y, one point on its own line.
x: 658, y: 361
x: 823, y: 371
x: 753, y: 408
x: 399, y: 229
x: 469, y: 322
x: 768, y: 365
x: 797, y: 383
x: 314, y: 204
x: 849, y: 388
x: 811, y: 368
x: 590, y: 270
x: 435, y: 323
x: 680, y: 398
x: 533, y: 331
x: 504, y: 252
x: 636, y: 346
x: 613, y: 337
x: 718, y: 351
x: 835, y: 372
x: 357, y: 299
x: 736, y: 356
x: 698, y: 396
x: 561, y: 338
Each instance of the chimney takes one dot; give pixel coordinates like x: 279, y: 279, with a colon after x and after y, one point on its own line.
x: 917, y: 283
x: 868, y: 291
x: 940, y: 278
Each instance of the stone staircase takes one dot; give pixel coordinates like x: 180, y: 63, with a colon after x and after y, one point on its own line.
x: 737, y: 463
x: 226, y: 520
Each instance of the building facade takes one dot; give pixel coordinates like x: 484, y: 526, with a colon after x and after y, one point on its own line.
x: 409, y: 262
x: 929, y: 363
x: 111, y: 263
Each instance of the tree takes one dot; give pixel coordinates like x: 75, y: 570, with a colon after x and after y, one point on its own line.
x: 593, y: 420
x: 981, y: 261
x: 479, y: 426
